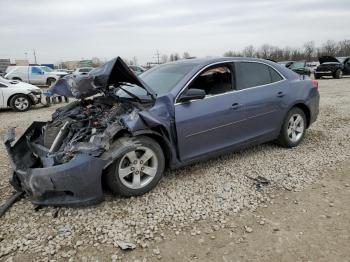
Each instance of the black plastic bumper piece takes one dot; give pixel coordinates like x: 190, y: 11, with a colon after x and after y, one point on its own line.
x: 77, y: 182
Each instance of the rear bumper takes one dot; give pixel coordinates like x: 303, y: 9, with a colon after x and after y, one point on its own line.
x: 77, y: 182
x: 323, y: 73
x: 314, y: 106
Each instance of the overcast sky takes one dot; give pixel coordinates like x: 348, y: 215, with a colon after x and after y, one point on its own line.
x: 80, y: 29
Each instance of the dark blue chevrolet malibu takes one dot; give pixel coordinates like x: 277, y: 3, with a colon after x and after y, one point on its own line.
x: 126, y: 129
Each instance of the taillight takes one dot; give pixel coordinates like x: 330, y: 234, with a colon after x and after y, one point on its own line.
x: 314, y: 83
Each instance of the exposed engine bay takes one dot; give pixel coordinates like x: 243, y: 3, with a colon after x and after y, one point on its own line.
x: 86, y: 126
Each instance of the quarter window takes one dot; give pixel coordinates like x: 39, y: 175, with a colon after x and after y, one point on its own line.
x: 215, y: 80
x: 275, y: 77
x: 250, y: 74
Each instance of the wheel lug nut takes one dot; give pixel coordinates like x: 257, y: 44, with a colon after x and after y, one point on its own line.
x: 141, y: 162
x: 142, y: 168
x: 132, y: 168
x: 135, y: 162
x: 137, y: 172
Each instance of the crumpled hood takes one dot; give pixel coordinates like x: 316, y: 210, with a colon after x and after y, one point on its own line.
x: 114, y: 72
x: 328, y: 59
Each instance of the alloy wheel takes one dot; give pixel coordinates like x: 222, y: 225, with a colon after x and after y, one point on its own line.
x: 21, y: 103
x: 296, y: 127
x: 138, y: 168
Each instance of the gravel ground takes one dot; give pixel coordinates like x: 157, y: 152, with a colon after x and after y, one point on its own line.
x: 212, y: 191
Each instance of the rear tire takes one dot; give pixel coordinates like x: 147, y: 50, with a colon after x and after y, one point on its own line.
x: 127, y: 176
x: 20, y: 103
x: 293, y: 129
x: 338, y: 74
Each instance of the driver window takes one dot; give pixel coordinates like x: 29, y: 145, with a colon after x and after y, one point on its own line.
x: 36, y: 71
x: 215, y: 80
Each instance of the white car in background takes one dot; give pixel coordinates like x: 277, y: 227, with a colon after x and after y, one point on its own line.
x: 82, y: 71
x: 18, y: 95
x: 36, y: 75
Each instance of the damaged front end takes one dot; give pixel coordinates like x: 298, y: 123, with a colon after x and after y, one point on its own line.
x: 60, y: 162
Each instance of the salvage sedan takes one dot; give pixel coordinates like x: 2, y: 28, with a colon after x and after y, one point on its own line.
x: 126, y: 129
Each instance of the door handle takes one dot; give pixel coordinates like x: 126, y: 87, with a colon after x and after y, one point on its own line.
x: 235, y: 105
x: 280, y: 94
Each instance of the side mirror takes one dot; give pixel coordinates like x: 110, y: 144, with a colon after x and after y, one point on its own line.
x: 192, y: 94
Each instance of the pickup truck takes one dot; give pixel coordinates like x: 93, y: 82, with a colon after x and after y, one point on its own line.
x: 36, y: 75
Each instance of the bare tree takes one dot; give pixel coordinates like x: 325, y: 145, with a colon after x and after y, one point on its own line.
x: 164, y: 59
x: 249, y: 51
x: 330, y: 48
x: 186, y: 55
x: 309, y: 50
x: 344, y: 48
x: 176, y: 57
x: 265, y: 51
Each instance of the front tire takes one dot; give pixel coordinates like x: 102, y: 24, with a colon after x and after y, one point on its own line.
x: 338, y: 74
x: 293, y: 128
x: 20, y: 103
x: 136, y: 172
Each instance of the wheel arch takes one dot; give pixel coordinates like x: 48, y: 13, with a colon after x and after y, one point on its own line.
x: 158, y: 133
x: 9, y: 99
x: 49, y: 78
x: 305, y: 109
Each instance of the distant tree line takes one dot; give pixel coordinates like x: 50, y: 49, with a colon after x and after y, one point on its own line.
x: 309, y: 51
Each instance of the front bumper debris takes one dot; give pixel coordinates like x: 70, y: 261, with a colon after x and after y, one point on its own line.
x: 77, y: 182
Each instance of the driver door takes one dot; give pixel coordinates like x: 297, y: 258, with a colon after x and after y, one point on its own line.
x: 36, y: 75
x: 213, y: 123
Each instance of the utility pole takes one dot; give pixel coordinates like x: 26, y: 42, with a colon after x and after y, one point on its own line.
x: 34, y: 56
x: 157, y: 56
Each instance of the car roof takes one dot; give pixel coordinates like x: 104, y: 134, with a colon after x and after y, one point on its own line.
x: 211, y: 60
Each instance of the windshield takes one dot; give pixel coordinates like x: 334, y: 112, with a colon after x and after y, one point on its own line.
x: 161, y: 79
x: 296, y: 65
x: 46, y: 69
x: 341, y: 59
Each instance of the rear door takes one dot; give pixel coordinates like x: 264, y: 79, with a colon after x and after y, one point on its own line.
x: 213, y: 123
x: 263, y: 93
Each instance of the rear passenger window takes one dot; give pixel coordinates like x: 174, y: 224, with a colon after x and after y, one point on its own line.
x: 275, y: 77
x: 250, y: 74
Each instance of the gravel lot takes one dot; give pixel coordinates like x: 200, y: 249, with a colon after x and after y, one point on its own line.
x: 210, y: 191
